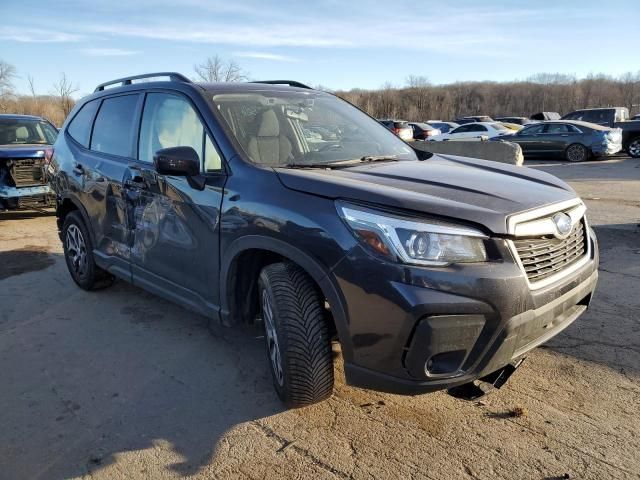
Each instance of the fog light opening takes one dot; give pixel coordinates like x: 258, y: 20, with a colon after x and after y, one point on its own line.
x: 444, y: 363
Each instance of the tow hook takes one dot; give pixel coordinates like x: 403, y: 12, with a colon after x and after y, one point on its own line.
x: 480, y: 387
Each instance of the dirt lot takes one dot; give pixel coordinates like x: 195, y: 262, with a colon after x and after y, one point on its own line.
x: 120, y: 384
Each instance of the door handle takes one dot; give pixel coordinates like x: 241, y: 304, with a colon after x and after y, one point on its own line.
x: 78, y: 169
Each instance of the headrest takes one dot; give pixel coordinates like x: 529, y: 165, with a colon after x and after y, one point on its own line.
x: 22, y: 133
x: 269, y: 125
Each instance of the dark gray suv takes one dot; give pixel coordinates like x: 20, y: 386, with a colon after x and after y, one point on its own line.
x: 430, y: 271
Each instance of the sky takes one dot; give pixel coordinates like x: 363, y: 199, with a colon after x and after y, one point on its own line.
x: 337, y: 44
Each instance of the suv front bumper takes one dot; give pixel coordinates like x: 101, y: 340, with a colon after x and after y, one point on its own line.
x: 416, y: 330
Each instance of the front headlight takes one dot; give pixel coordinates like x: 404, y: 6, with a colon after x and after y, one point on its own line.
x: 418, y: 242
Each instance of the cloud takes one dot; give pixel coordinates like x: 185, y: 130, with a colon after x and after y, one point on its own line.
x: 108, y: 52
x: 37, y: 35
x: 266, y: 56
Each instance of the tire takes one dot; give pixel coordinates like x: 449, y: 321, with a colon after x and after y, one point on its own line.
x: 576, y: 152
x: 78, y: 254
x: 297, y: 335
x: 634, y: 148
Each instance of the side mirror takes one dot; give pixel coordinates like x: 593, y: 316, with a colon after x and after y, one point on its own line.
x: 178, y: 161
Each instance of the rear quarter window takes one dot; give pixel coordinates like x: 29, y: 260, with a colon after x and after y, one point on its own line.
x: 80, y: 127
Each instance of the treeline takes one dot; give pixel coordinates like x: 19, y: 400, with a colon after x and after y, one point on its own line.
x: 420, y: 101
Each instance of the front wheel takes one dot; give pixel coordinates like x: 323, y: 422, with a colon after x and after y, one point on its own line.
x: 634, y: 148
x: 297, y: 335
x: 577, y: 152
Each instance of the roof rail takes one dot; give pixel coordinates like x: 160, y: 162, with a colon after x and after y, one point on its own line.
x: 173, y: 77
x: 291, y: 83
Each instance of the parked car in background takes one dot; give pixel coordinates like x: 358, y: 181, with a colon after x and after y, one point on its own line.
x: 615, y: 117
x: 400, y: 127
x: 422, y: 131
x: 444, y: 127
x: 602, y: 116
x: 24, y: 153
x: 574, y: 140
x: 473, y: 118
x: 542, y: 116
x: 474, y: 131
x: 636, y: 117
x: 411, y: 261
x: 516, y: 120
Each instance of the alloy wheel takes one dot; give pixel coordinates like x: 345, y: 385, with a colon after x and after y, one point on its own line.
x: 576, y: 153
x: 76, y: 250
x: 272, y: 338
x: 634, y: 148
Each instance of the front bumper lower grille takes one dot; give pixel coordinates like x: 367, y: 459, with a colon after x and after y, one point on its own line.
x: 544, y: 256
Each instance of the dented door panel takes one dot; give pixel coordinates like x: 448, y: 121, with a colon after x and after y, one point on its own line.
x: 174, y: 237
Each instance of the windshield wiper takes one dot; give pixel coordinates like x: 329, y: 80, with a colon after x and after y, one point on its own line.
x: 379, y: 158
x: 344, y: 163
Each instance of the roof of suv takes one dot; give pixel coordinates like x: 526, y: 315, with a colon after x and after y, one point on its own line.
x: 150, y: 80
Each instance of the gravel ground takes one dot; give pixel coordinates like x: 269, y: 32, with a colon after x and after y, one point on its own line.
x: 119, y: 384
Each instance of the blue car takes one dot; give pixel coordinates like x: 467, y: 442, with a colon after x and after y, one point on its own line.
x: 25, y: 147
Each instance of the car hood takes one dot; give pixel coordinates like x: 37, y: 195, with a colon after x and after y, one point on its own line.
x: 475, y: 191
x: 23, y: 151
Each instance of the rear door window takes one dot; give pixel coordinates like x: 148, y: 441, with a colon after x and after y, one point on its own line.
x: 556, y: 128
x: 114, y: 127
x: 80, y: 126
x: 462, y: 129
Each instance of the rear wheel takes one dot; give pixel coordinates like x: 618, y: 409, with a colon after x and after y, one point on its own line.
x: 78, y: 253
x: 634, y: 148
x: 577, y: 152
x: 297, y: 335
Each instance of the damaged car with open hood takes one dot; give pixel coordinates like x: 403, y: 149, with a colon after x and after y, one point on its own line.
x: 430, y: 271
x: 25, y: 147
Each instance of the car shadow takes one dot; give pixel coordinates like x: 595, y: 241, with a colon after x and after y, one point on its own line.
x: 89, y: 377
x: 607, y: 333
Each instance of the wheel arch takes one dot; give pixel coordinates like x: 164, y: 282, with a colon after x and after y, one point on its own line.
x: 66, y: 204
x: 266, y: 250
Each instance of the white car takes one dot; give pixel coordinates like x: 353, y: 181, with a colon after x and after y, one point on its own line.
x: 475, y: 131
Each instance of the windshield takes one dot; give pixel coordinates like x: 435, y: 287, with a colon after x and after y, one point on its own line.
x: 499, y: 126
x: 306, y: 128
x: 26, y: 131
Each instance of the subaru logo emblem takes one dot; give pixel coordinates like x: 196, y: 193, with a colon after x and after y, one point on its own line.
x: 563, y: 224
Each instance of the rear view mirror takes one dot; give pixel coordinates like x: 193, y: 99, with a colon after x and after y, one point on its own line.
x: 178, y: 161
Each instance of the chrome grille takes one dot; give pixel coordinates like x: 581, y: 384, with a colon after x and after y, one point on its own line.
x: 546, y: 255
x: 27, y: 172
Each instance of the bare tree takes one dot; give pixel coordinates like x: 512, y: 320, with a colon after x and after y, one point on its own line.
x: 629, y: 85
x: 32, y: 87
x: 215, y: 69
x: 417, y: 81
x: 7, y: 74
x: 63, y: 89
